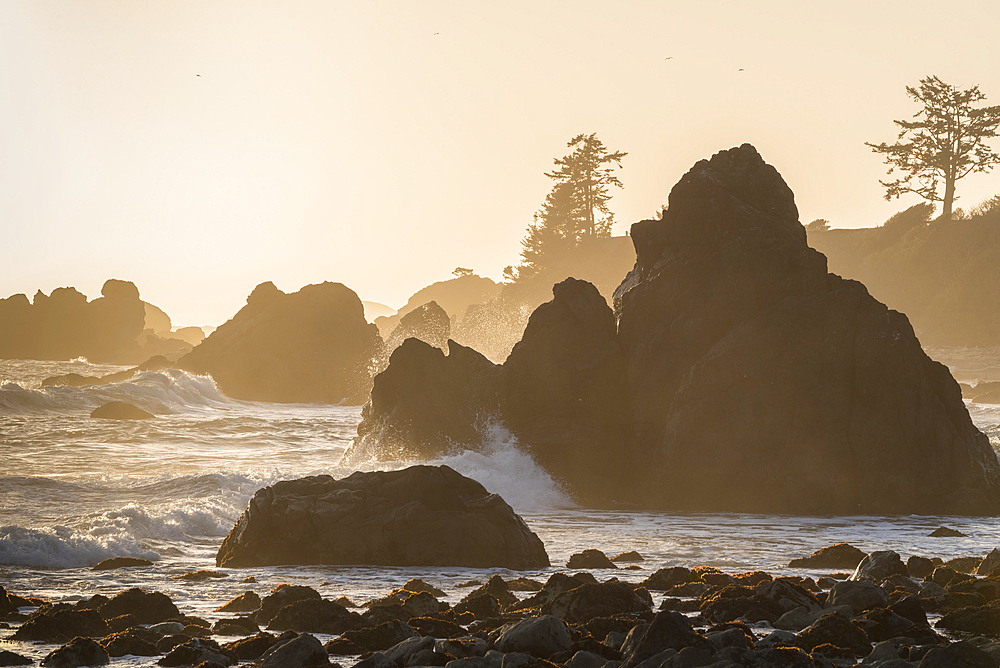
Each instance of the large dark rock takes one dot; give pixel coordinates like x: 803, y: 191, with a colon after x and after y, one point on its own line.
x: 313, y: 345
x: 75, y: 653
x: 61, y: 623
x: 563, y: 392
x: 64, y: 325
x: 149, y: 607
x: 762, y: 383
x: 419, y: 516
x: 425, y: 402
x: 567, y: 391
x: 841, y: 555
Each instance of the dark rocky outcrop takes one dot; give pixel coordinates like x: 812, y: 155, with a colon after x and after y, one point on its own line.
x: 75, y: 653
x: 64, y: 325
x: 760, y: 382
x: 149, y: 607
x: 121, y: 562
x: 313, y: 345
x: 425, y: 402
x: 60, y: 623
x: 419, y: 516
x: 841, y: 555
x: 120, y: 410
x: 563, y: 392
x: 946, y: 532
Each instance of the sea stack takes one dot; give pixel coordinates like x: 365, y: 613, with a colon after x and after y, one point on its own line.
x: 761, y: 382
x: 311, y: 346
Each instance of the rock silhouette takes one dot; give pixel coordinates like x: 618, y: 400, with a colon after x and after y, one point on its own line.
x: 64, y: 325
x: 742, y: 376
x: 419, y: 516
x: 760, y: 382
x: 428, y: 322
x: 313, y: 346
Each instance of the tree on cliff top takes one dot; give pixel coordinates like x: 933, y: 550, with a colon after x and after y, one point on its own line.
x: 577, y: 206
x: 945, y: 143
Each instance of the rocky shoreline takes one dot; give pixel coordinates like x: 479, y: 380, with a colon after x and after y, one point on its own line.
x: 846, y: 608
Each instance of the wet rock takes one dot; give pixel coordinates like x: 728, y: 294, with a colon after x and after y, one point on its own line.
x: 919, y: 567
x: 280, y: 596
x: 149, y: 607
x: 302, y: 651
x: 248, y: 601
x: 558, y: 583
x: 590, y: 559
x: 137, y: 641
x: 727, y: 300
x: 788, y: 595
x: 879, y: 566
x: 837, y: 630
x: 495, y: 587
x: 247, y: 649
x: 311, y: 346
x: 380, y: 637
x: 435, y: 627
x: 539, y: 636
x: 984, y: 620
x: 401, y: 652
x: 202, y: 575
x: 626, y: 557
x: 731, y: 603
x: 841, y: 555
x: 195, y: 651
x: 957, y: 655
x: 8, y: 658
x: 943, y: 575
x: 580, y: 605
x: 167, y: 628
x: 121, y: 562
x: 481, y: 606
x: 312, y: 615
x: 61, y: 623
x: 860, y: 596
x: 120, y: 410
x: 169, y: 642
x: 945, y: 532
x: 418, y: 516
x: 422, y: 603
x: 235, y: 626
x: 801, y: 617
x: 964, y: 564
x: 342, y: 647
x: 77, y: 652
x: 989, y: 563
x: 668, y: 630
x: 417, y: 585
x: 665, y: 578
x: 462, y: 648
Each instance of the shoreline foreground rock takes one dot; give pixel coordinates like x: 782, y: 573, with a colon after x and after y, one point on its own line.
x: 740, y: 375
x: 418, y: 516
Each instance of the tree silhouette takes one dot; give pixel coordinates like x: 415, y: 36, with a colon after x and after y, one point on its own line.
x: 577, y: 206
x: 945, y: 143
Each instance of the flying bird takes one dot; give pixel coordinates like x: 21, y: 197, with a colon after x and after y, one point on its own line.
x: 197, y: 75
x: 740, y: 70
x: 669, y: 58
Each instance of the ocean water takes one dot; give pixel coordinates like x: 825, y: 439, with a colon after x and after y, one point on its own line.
x: 76, y: 490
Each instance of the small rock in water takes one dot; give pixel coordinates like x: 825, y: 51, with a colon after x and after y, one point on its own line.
x: 12, y: 659
x: 417, y: 585
x: 249, y: 580
x: 198, y: 576
x: 119, y: 410
x: 841, y: 555
x: 627, y: 556
x: 246, y: 602
x: 121, y: 562
x: 77, y: 652
x: 945, y: 532
x: 590, y: 559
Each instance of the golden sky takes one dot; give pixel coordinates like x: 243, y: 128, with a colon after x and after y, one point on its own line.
x: 200, y: 148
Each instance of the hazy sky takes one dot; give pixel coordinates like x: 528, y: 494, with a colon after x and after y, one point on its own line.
x: 200, y: 148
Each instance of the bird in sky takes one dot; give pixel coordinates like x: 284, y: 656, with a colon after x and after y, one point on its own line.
x: 197, y: 75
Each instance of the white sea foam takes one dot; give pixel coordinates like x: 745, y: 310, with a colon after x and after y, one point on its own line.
x: 167, y: 391
x: 63, y: 547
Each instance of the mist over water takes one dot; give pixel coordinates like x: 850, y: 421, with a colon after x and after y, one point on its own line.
x: 78, y: 490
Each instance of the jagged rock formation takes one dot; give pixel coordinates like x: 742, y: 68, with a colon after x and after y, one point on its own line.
x: 563, y: 392
x: 419, y: 516
x: 762, y: 383
x: 454, y: 296
x: 428, y: 322
x: 742, y: 376
x: 64, y: 325
x: 313, y: 345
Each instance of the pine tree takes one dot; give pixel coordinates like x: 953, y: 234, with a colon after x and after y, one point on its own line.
x: 577, y: 206
x: 945, y: 143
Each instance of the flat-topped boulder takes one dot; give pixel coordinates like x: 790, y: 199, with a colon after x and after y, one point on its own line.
x: 310, y: 346
x: 761, y: 382
x: 418, y: 516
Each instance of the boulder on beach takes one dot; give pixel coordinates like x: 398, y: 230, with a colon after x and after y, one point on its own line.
x: 418, y: 516
x: 762, y: 383
x: 120, y: 410
x: 310, y: 346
